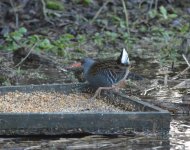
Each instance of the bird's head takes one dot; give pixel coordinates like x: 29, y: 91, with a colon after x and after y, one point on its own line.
x: 87, y: 63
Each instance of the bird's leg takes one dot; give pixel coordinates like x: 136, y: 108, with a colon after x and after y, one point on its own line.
x: 120, y: 84
x: 98, y: 91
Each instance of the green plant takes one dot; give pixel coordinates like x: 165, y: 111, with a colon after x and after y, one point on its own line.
x: 169, y: 52
x: 107, y: 37
x: 84, y: 2
x: 98, y: 39
x: 16, y: 39
x: 37, y: 75
x: 117, y: 21
x: 81, y: 40
x: 13, y: 38
x: 161, y: 32
x: 63, y: 43
x: 54, y: 5
x: 126, y: 37
x: 63, y: 46
x: 19, y: 71
x: 162, y: 13
x: 152, y: 13
x: 110, y: 36
x: 185, y: 28
x: 6, y: 82
x: 45, y: 44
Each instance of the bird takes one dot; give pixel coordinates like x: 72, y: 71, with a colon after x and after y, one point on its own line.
x: 106, y: 74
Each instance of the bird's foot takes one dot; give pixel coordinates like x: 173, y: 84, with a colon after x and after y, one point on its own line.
x: 97, y: 94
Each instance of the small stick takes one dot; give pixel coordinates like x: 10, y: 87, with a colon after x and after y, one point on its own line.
x: 185, y: 58
x: 45, y: 12
x: 16, y: 14
x: 147, y: 90
x: 26, y: 56
x: 181, y: 73
x: 99, y: 11
x: 126, y: 16
x: 156, y: 5
x: 165, y: 80
x: 126, y: 19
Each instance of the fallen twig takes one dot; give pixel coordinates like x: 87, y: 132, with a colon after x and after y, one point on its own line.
x: 16, y: 13
x: 99, y: 11
x: 126, y: 16
x: 26, y: 56
x: 45, y: 12
x: 185, y: 58
x: 183, y: 85
x: 148, y: 90
x: 181, y: 73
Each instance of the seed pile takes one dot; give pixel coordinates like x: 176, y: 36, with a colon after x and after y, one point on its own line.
x: 52, y: 102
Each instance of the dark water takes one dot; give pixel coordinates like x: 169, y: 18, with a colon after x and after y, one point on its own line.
x: 179, y: 138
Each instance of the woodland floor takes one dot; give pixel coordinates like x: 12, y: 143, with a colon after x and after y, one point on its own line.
x: 41, y: 43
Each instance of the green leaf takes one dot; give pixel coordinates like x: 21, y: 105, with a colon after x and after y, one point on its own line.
x: 172, y: 16
x: 185, y: 28
x: 33, y: 38
x: 54, y: 5
x: 164, y: 12
x: 46, y: 44
x: 68, y: 36
x: 152, y: 13
x: 22, y: 30
x: 17, y: 35
x: 98, y: 40
x: 81, y: 38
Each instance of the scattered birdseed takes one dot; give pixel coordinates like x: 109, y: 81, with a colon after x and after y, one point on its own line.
x: 52, y: 102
